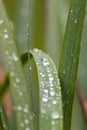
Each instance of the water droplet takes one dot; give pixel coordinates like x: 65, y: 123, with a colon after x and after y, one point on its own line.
x: 1, y: 22
x: 52, y: 93
x: 35, y: 50
x: 7, y: 53
x: 54, y: 102
x: 22, y: 124
x: 42, y: 75
x: 26, y: 110
x: 53, y: 129
x: 19, y: 108
x: 52, y: 89
x: 20, y: 93
x: 45, y: 99
x: 42, y: 83
x: 6, y: 36
x: 53, y: 122
x: 46, y: 91
x: 64, y: 72
x: 71, y: 11
x: 12, y: 73
x: 50, y: 75
x: 30, y: 68
x: 49, y: 105
x: 75, y: 21
x: 50, y: 78
x: 5, y: 30
x: 55, y: 115
x: 26, y: 121
x: 48, y: 69
x: 15, y: 58
x: 27, y: 129
x: 17, y: 80
x: 37, y: 63
x: 45, y: 62
x: 51, y: 85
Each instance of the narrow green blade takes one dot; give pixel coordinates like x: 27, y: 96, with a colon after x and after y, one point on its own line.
x: 19, y: 89
x: 50, y: 103
x: 70, y: 57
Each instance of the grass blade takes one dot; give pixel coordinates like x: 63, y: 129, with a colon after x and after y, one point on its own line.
x: 50, y: 104
x: 70, y: 56
x: 19, y: 90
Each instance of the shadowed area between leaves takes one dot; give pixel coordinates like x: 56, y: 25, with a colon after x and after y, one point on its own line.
x: 82, y: 100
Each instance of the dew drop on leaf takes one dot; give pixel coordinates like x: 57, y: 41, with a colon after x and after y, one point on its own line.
x: 45, y: 99
x: 5, y: 30
x: 22, y: 124
x: 52, y: 93
x: 1, y: 22
x: 55, y: 115
x: 15, y: 58
x: 17, y: 80
x: 26, y: 121
x: 75, y: 21
x: 6, y: 36
x: 19, y: 108
x: 64, y: 72
x: 27, y: 128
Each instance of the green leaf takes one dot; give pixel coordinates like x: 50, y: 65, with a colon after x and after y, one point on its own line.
x: 70, y: 57
x: 56, y: 12
x: 50, y: 103
x: 19, y: 89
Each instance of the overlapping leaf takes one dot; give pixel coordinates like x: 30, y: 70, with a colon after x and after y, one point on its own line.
x: 19, y: 88
x: 50, y: 104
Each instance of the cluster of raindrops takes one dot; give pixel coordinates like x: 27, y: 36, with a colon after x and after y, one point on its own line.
x: 73, y: 13
x: 13, y: 59
x: 5, y: 31
x: 25, y: 122
x: 17, y: 88
x: 50, y: 91
x: 18, y: 85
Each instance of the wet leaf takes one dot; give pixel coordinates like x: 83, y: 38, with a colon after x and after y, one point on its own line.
x: 50, y: 103
x: 19, y: 89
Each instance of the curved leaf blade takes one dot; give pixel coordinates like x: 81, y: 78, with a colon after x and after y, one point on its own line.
x: 50, y: 103
x: 19, y: 89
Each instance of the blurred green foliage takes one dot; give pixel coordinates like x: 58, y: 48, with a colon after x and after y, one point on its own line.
x: 49, y: 24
